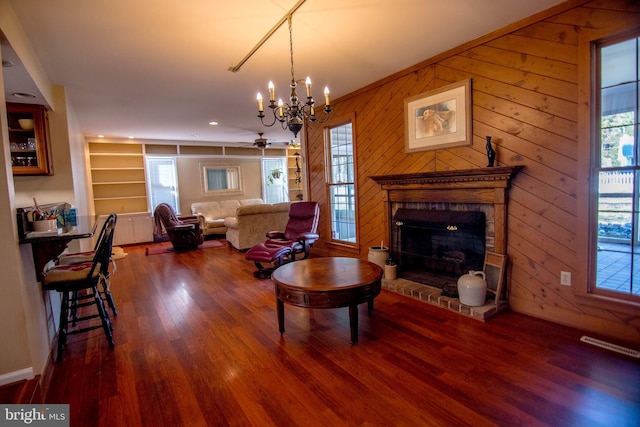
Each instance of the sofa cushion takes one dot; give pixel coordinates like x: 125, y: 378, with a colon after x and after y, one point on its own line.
x: 206, y: 209
x: 282, y: 207
x: 214, y: 223
x: 231, y: 222
x: 227, y: 208
x: 252, y: 210
x: 245, y: 202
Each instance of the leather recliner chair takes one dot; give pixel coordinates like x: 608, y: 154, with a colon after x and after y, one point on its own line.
x: 184, y: 232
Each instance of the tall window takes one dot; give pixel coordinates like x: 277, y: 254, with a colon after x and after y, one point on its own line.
x: 162, y: 182
x: 616, y: 170
x: 341, y: 183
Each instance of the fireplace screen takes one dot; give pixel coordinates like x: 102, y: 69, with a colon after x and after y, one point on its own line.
x: 434, y: 246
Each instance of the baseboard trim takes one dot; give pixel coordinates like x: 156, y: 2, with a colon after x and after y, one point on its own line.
x: 15, y: 376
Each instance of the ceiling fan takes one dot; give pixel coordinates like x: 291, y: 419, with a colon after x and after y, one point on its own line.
x: 261, y: 142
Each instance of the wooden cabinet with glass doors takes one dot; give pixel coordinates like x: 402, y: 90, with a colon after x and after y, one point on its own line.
x: 29, y: 139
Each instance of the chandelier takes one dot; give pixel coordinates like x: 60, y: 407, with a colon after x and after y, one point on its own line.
x: 291, y: 115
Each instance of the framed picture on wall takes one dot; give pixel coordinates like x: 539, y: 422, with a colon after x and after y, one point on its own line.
x: 439, y: 119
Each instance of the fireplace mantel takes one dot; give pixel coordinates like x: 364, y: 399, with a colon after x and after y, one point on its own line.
x: 482, y: 185
x: 498, y: 177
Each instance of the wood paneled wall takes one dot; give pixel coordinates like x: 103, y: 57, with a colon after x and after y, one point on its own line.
x: 525, y: 95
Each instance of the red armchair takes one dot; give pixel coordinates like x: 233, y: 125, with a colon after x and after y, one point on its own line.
x: 301, y: 230
x: 283, y: 246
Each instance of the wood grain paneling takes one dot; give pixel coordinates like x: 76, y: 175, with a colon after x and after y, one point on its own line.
x: 525, y: 95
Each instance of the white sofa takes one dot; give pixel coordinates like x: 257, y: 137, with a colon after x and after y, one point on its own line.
x: 250, y: 224
x: 212, y: 214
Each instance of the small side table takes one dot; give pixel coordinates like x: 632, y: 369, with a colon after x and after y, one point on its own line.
x: 330, y: 282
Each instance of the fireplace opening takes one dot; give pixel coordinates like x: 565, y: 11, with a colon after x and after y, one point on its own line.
x: 435, y: 247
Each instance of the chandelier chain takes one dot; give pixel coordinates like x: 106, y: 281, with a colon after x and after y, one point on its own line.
x: 291, y: 46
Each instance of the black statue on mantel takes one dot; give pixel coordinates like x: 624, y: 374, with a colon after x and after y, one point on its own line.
x: 491, y: 153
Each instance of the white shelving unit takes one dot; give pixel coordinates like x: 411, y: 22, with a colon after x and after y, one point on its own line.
x: 119, y: 185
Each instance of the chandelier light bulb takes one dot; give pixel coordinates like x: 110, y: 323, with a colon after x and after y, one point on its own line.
x: 272, y: 91
x: 308, y: 84
x: 259, y: 98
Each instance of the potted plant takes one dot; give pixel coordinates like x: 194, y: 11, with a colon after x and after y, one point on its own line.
x: 276, y: 173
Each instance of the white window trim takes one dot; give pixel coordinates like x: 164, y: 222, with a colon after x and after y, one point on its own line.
x: 150, y: 191
x: 328, y: 182
x: 204, y: 167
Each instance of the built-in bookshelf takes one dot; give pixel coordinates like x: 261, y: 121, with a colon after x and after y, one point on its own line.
x: 118, y: 178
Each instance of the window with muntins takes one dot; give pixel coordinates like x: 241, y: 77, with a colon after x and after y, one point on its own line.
x: 615, y: 210
x: 341, y: 183
x: 162, y: 182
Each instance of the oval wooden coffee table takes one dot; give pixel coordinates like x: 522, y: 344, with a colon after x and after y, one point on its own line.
x: 327, y: 283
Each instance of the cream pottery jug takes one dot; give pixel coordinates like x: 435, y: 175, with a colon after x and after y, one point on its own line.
x: 378, y: 255
x: 472, y: 288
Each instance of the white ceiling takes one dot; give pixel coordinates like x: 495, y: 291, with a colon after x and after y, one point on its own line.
x: 158, y: 69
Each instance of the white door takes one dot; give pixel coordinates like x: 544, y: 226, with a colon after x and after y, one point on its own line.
x: 274, y: 180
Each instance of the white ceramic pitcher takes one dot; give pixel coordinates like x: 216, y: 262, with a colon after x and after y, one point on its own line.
x: 472, y: 288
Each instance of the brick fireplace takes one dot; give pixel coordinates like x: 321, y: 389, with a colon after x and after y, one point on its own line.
x: 435, y: 246
x: 443, y: 197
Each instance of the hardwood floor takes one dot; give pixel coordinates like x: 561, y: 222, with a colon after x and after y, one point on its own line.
x: 197, y: 344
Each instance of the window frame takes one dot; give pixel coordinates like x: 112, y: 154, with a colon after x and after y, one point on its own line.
x: 329, y: 184
x: 150, y: 181
x: 584, y: 287
x: 206, y: 191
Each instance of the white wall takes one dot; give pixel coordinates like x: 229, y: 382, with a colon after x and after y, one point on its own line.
x: 190, y: 179
x: 15, y: 355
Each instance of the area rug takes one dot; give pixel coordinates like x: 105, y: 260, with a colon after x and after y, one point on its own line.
x: 163, y: 248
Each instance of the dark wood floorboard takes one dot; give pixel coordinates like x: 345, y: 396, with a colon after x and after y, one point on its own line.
x: 197, y: 344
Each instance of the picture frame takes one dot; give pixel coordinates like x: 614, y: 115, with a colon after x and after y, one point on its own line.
x: 221, y: 180
x: 494, y: 269
x: 439, y: 119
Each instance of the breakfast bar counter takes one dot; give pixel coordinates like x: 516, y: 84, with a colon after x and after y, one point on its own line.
x: 47, y: 245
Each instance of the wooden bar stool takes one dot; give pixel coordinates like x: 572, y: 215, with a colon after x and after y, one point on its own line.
x: 87, y: 256
x: 78, y: 286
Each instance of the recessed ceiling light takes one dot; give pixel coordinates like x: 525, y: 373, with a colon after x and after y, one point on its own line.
x: 100, y: 136
x: 213, y: 123
x: 23, y: 95
x: 130, y: 137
